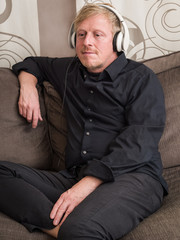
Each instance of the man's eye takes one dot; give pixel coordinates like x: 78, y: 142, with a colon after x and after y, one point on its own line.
x: 98, y: 35
x: 81, y: 35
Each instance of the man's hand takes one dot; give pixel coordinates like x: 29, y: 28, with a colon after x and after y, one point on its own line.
x: 28, y: 103
x: 72, y: 198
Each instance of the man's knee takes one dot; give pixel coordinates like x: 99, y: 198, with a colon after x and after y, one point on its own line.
x: 79, y: 229
x: 5, y: 169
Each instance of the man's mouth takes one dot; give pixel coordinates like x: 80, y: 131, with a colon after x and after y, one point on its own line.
x: 88, y: 53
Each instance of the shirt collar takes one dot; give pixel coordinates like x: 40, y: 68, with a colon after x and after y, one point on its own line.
x: 113, y: 69
x: 116, y: 66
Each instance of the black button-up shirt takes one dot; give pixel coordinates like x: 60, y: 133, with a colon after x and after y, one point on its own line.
x: 115, y: 119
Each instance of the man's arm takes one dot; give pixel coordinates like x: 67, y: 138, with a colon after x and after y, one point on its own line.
x: 29, y: 106
x: 35, y: 70
x: 72, y: 198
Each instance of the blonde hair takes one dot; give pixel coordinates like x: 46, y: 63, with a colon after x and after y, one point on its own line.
x: 95, y: 9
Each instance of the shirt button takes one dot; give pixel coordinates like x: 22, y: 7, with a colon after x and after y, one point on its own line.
x: 91, y: 91
x: 85, y: 76
x: 84, y: 152
x: 90, y: 120
x: 89, y: 109
x: 87, y: 133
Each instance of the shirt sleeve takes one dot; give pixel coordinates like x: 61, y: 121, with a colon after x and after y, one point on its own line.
x: 48, y: 69
x: 136, y: 146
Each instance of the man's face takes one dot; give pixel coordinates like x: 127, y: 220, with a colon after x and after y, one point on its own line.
x: 94, y: 45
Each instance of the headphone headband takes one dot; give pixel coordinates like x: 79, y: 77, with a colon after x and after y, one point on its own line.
x: 121, y: 39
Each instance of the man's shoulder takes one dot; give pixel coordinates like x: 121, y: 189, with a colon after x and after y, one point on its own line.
x: 64, y: 59
x: 63, y: 63
x: 139, y: 67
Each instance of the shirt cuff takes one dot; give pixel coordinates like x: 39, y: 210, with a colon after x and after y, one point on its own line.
x: 97, y: 169
x: 28, y: 66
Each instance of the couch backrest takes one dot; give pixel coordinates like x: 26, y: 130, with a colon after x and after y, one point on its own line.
x: 167, y: 69
x: 18, y: 141
x: 57, y: 125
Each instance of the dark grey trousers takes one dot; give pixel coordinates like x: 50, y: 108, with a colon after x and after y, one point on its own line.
x: 111, y: 211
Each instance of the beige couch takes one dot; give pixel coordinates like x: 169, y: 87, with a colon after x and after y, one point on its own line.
x: 44, y: 148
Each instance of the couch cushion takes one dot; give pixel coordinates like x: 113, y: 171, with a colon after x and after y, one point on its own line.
x: 164, y: 63
x: 170, y: 142
x: 18, y: 141
x: 167, y: 69
x: 57, y: 125
x: 165, y: 223
x: 12, y: 230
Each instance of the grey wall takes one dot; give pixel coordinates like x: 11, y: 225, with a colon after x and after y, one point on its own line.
x: 55, y: 18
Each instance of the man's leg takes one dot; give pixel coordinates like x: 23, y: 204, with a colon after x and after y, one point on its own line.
x: 28, y: 195
x: 113, y: 209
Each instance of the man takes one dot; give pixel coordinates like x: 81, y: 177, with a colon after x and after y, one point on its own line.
x: 115, y: 114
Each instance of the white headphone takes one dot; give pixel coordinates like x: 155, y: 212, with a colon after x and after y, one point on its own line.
x: 121, y: 38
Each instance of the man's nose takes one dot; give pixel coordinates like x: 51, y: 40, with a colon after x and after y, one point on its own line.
x: 88, y: 39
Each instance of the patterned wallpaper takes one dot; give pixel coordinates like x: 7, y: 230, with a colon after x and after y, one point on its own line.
x: 40, y: 27
x: 19, y: 33
x: 154, y: 25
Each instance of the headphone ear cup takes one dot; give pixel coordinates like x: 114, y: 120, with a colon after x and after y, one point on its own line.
x: 118, y: 42
x: 72, y: 37
x: 126, y: 40
x: 73, y: 40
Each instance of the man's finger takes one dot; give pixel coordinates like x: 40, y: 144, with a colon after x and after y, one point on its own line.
x: 55, y: 208
x: 29, y: 116
x: 40, y: 117
x: 35, y: 118
x: 60, y: 213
